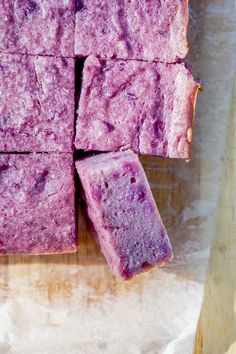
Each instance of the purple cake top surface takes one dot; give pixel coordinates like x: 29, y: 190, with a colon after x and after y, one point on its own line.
x: 36, y: 103
x: 123, y: 211
x: 37, y: 27
x: 37, y: 211
x: 132, y: 29
x: 146, y: 107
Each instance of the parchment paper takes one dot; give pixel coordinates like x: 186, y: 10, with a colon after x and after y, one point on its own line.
x: 72, y: 304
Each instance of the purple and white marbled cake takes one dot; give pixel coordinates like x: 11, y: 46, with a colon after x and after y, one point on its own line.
x: 123, y: 212
x: 132, y: 29
x: 146, y: 107
x: 37, y: 27
x: 37, y: 211
x: 36, y: 103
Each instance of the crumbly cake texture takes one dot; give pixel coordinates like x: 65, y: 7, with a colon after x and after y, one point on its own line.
x: 37, y: 211
x: 132, y: 29
x: 123, y: 212
x: 146, y: 107
x: 36, y: 103
x: 37, y: 27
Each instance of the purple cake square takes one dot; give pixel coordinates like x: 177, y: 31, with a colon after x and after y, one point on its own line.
x: 36, y: 103
x: 132, y: 29
x: 37, y: 211
x: 37, y: 27
x: 146, y: 107
x: 123, y: 212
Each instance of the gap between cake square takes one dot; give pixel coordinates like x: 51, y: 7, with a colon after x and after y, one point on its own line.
x: 122, y: 209
x: 132, y: 29
x: 37, y: 27
x: 129, y: 104
x: 37, y: 206
x: 36, y: 103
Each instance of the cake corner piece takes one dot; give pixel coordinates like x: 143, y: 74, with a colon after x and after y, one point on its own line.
x: 149, y: 30
x: 37, y: 206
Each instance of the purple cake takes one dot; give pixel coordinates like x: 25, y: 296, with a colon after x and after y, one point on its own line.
x: 37, y: 27
x: 37, y: 211
x: 146, y: 107
x: 36, y: 103
x: 123, y: 212
x: 132, y: 29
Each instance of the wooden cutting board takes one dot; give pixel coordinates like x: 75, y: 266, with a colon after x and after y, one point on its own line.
x: 218, y: 315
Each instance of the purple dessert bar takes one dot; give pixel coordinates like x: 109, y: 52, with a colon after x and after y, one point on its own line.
x: 36, y: 103
x: 37, y: 211
x: 37, y: 27
x: 132, y: 29
x: 146, y: 107
x: 123, y: 212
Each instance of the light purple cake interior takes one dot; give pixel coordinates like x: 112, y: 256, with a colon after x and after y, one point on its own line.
x: 37, y: 211
x: 146, y: 107
x: 124, y: 214
x: 132, y: 29
x: 36, y: 103
x: 37, y: 27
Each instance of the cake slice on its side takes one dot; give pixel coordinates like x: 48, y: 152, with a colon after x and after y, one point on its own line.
x: 37, y: 209
x: 132, y: 29
x: 146, y: 107
x: 36, y: 103
x: 37, y: 27
x: 123, y: 212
